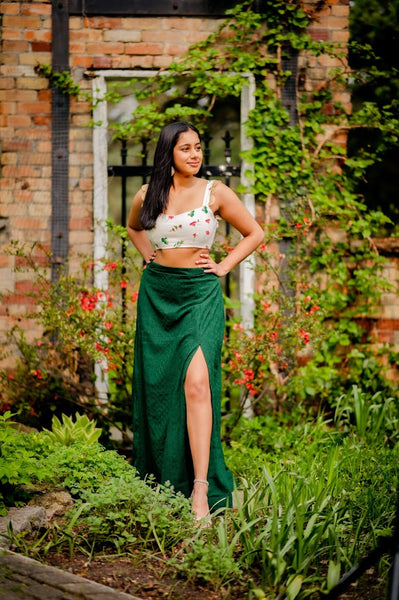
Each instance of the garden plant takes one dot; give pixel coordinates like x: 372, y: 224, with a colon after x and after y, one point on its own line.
x: 315, y: 462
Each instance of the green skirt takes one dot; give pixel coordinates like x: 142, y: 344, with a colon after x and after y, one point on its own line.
x: 179, y: 310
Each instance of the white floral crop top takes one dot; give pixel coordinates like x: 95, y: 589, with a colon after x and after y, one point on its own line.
x: 193, y: 229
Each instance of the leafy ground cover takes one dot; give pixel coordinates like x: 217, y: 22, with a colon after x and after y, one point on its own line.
x: 313, y: 496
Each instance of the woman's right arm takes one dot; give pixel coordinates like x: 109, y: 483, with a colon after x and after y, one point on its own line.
x: 136, y: 233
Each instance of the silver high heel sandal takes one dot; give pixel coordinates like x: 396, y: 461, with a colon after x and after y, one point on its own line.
x: 205, y: 521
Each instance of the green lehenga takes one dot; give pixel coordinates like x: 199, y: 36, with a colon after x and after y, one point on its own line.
x: 179, y: 310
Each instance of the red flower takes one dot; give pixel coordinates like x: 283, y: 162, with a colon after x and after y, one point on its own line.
x: 37, y: 373
x: 110, y: 266
x: 123, y: 284
x: 314, y: 308
x: 304, y: 335
x: 249, y: 373
x: 88, y: 302
x: 135, y: 295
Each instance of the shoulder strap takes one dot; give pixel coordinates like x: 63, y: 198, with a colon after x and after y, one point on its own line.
x: 208, y: 193
x: 212, y: 192
x: 143, y: 190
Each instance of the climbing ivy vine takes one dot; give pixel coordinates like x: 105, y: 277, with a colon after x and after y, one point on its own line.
x: 319, y: 269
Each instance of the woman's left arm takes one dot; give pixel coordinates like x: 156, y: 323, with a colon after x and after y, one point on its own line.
x: 231, y: 209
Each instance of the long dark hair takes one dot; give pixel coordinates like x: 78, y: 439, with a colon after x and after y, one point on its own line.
x: 161, y: 178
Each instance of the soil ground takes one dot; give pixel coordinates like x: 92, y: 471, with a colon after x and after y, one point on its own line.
x: 149, y: 581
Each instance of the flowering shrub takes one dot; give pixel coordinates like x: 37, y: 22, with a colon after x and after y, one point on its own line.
x: 81, y: 326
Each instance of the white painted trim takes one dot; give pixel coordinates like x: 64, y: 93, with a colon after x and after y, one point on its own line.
x: 100, y: 177
x: 100, y: 211
x: 247, y: 267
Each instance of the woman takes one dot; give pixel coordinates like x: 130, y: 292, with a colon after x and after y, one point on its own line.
x: 180, y: 320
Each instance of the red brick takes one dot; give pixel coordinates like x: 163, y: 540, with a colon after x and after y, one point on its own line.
x: 142, y: 23
x: 37, y: 8
x: 24, y: 171
x: 7, y: 83
x: 36, y: 158
x: 319, y: 35
x: 86, y: 35
x: 144, y: 62
x: 83, y: 61
x: 41, y: 120
x: 41, y: 46
x: 86, y: 184
x: 31, y: 83
x: 386, y: 337
x: 388, y: 324
x: 10, y: 145
x: 7, y: 184
x: 10, y: 59
x: 77, y: 47
x: 338, y: 22
x: 37, y: 36
x: 103, y: 22
x: 183, y: 23
x: 121, y: 62
x: 33, y: 58
x: 175, y: 49
x: 340, y: 36
x: 10, y: 8
x: 44, y: 146
x: 24, y: 287
x: 143, y: 49
x: 101, y: 62
x: 44, y: 95
x: 21, y: 22
x: 80, y: 224
x: 29, y: 223
x: 75, y: 23
x: 8, y: 158
x: 104, y: 48
x: 34, y: 107
x: 19, y: 121
x: 18, y: 299
x: 340, y: 10
x: 26, y: 95
x: 23, y: 195
x: 11, y: 34
x: 8, y: 108
x: 15, y: 46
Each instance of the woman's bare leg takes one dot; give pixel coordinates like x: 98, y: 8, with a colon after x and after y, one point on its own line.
x: 199, y: 427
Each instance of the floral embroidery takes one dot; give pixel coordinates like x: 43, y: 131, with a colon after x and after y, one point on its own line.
x: 173, y: 231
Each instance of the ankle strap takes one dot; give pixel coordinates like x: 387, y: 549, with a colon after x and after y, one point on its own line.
x: 201, y: 481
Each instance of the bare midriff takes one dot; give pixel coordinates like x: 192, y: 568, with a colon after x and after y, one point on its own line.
x: 179, y: 257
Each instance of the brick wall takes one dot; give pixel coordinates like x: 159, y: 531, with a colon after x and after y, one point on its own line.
x: 25, y: 119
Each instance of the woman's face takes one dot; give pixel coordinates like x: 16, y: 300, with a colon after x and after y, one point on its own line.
x: 187, y: 154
